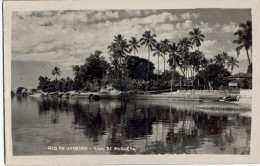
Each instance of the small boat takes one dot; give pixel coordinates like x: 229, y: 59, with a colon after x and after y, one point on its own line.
x: 44, y: 94
x: 66, y: 95
x: 53, y: 94
x: 94, y: 97
x: 231, y: 98
x: 60, y: 94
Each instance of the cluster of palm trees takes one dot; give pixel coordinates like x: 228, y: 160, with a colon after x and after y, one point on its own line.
x: 119, y: 50
x: 185, y: 54
x: 182, y: 54
x: 63, y: 83
x: 226, y: 61
x: 179, y: 54
x: 244, y: 40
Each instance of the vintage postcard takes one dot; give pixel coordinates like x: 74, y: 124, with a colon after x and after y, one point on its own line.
x: 131, y: 82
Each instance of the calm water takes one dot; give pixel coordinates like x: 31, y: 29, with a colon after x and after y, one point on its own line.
x: 110, y: 127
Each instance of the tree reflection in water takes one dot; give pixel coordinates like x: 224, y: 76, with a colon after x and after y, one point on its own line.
x: 152, y: 128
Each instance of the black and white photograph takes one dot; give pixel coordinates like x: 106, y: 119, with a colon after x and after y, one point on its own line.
x: 136, y: 81
x: 131, y: 81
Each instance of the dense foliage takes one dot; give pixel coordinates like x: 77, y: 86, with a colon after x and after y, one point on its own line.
x: 213, y: 76
x: 137, y: 68
x: 95, y: 68
x: 126, y: 71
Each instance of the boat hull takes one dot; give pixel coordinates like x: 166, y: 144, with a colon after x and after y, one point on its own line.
x: 100, y: 95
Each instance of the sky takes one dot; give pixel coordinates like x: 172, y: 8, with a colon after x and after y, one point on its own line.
x: 44, y: 39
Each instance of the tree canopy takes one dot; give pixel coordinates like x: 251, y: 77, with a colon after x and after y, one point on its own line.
x: 138, y: 68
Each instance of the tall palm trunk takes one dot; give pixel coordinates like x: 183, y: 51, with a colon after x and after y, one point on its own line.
x: 251, y: 51
x: 248, y: 57
x: 192, y: 75
x: 164, y: 62
x: 158, y: 71
x: 204, y: 80
x: 180, y: 82
x: 172, y: 80
x: 117, y: 75
x: 187, y: 74
x: 57, y: 82
x: 147, y: 76
x: 184, y: 74
x: 125, y: 68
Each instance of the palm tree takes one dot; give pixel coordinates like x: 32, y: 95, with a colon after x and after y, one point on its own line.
x: 118, y: 38
x: 232, y: 62
x: 114, y: 57
x: 174, y: 55
x: 164, y: 44
x: 184, y: 45
x: 219, y: 59
x: 56, y: 72
x: 196, y: 37
x: 174, y: 58
x: 204, y: 64
x: 225, y: 57
x: 121, y: 46
x: 69, y: 82
x: 124, y: 51
x: 244, y: 40
x: 195, y: 59
x: 118, y: 51
x: 133, y: 45
x: 148, y: 40
x: 158, y: 52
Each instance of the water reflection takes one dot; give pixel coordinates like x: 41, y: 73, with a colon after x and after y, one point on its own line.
x: 150, y: 127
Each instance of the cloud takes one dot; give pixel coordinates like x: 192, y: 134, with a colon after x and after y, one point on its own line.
x: 152, y: 19
x: 229, y: 28
x: 209, y: 48
x: 187, y: 24
x: 74, y: 16
x: 209, y: 44
x: 137, y: 13
x: 188, y: 15
x: 67, y: 37
x: 80, y: 41
x: 206, y: 28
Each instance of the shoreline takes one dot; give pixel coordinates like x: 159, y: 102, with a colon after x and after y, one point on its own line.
x: 209, y: 101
